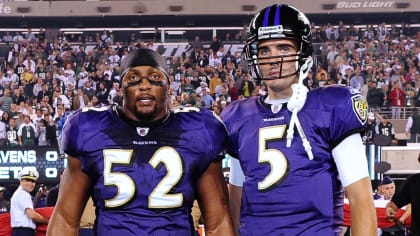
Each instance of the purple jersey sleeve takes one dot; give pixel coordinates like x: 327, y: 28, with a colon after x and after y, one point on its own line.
x: 71, y: 139
x: 347, y: 111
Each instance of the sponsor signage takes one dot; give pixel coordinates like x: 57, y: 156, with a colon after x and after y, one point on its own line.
x: 365, y: 4
x: 5, y: 9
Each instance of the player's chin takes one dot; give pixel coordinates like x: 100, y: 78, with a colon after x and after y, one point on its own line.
x: 279, y: 84
x: 145, y: 109
x: 277, y: 80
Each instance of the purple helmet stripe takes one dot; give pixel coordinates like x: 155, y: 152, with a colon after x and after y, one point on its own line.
x: 266, y: 16
x: 277, y: 16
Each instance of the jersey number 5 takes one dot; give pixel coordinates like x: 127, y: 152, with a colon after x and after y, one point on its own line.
x: 160, y: 197
x: 276, y: 159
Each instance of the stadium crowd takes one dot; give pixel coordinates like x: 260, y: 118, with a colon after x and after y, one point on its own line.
x: 43, y: 78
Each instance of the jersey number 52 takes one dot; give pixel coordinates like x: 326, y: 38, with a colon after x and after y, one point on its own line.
x: 160, y: 196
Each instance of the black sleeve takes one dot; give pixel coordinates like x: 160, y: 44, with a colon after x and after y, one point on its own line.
x: 52, y: 197
x: 402, y: 196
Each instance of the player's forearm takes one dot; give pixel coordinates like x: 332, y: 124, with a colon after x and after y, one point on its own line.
x: 235, y: 194
x: 59, y: 226
x: 54, y: 230
x: 224, y: 228
x: 363, y: 218
x: 217, y: 221
x: 362, y: 209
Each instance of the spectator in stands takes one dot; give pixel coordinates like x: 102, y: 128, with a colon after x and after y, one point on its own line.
x: 44, y: 91
x: 29, y: 63
x: 4, y: 203
x: 396, y: 99
x: 5, y: 118
x: 80, y: 100
x: 186, y: 86
x: 41, y: 133
x: 197, y: 45
x: 321, y: 75
x: 222, y: 93
x: 88, y: 89
x: 18, y: 37
x: 17, y: 96
x: 412, y: 127
x: 215, y: 80
x: 410, y: 94
x: 397, y: 76
x: 216, y: 108
x: 3, y: 134
x: 40, y: 198
x: 357, y: 81
x: 370, y: 130
x: 247, y: 87
x: 203, y: 85
x: 12, y: 137
x: 215, y: 44
x: 118, y: 99
x: 243, y: 33
x: 310, y: 81
x: 94, y: 102
x: 52, y: 193
x: 27, y: 132
x: 386, y: 129
x: 347, y: 71
x: 331, y: 56
x: 213, y: 59
x: 233, y: 91
x: 7, y: 38
x: 375, y: 96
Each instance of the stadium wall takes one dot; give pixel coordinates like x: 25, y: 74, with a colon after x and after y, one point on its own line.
x: 195, y: 7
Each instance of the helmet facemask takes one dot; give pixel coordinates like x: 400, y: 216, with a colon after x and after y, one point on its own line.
x: 257, y: 62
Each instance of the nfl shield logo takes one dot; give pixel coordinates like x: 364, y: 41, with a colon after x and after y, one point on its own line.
x: 142, y: 131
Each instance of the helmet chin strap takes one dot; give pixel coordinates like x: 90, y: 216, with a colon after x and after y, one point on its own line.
x: 295, y: 104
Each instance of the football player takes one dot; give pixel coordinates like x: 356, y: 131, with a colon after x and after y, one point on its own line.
x: 296, y: 150
x: 143, y: 164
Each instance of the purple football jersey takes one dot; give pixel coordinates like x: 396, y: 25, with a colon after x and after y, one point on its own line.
x: 144, y: 177
x: 284, y: 192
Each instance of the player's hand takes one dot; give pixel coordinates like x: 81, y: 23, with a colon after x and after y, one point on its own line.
x: 401, y: 220
x: 390, y: 212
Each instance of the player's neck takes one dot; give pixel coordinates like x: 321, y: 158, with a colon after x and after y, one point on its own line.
x: 275, y: 105
x: 273, y: 101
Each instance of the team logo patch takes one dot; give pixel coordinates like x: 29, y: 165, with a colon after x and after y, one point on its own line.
x: 142, y: 131
x: 360, y: 108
